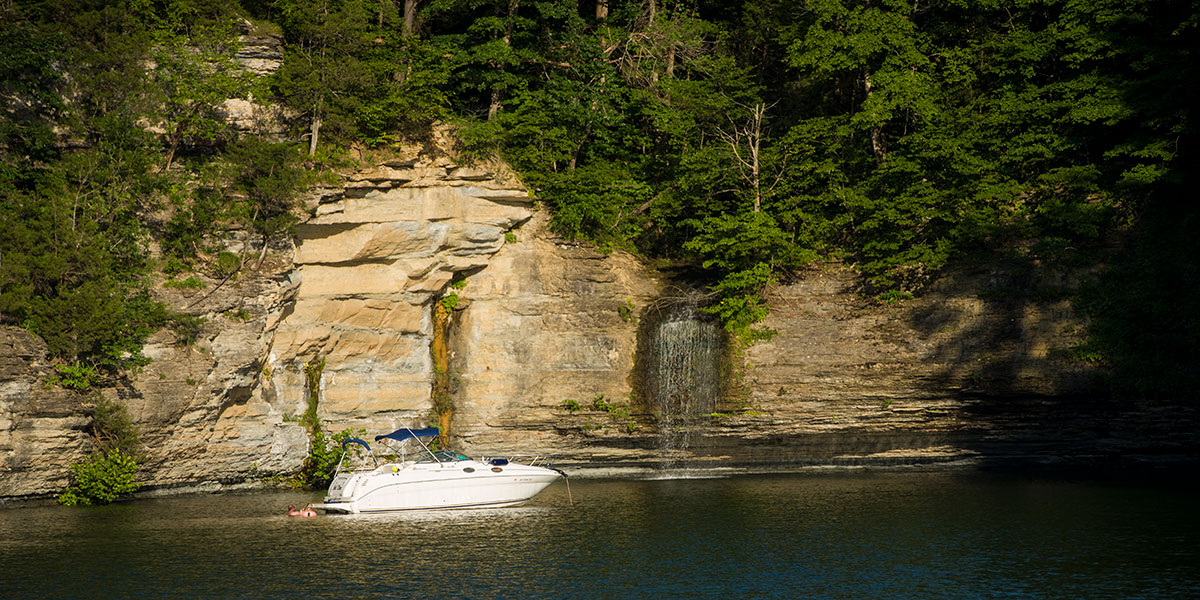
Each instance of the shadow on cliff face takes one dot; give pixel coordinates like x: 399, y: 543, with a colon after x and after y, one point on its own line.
x: 1029, y: 396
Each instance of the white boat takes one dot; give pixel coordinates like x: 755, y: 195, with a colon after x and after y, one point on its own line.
x: 433, y: 479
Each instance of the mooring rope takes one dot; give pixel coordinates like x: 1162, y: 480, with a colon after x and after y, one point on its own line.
x: 567, y: 480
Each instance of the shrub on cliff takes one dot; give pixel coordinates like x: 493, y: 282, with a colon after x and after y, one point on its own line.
x: 323, y: 457
x: 101, y: 479
x: 111, y: 470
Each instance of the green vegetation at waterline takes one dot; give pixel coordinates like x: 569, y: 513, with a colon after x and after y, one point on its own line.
x: 101, y: 479
x: 324, y: 454
x: 743, y: 140
x: 324, y: 451
x: 111, y: 470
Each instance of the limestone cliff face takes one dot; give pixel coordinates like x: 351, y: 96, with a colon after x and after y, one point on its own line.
x: 970, y: 373
x: 203, y: 417
x: 40, y: 428
x: 260, y: 54
x: 849, y: 380
x: 372, y: 264
x: 548, y: 323
x: 540, y: 353
x: 538, y: 323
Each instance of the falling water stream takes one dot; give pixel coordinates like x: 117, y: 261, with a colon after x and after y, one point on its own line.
x: 682, y: 370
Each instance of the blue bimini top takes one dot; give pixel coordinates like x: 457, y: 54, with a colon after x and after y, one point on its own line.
x: 356, y: 441
x: 403, y: 434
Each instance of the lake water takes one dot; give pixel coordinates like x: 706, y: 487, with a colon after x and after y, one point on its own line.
x: 887, y: 535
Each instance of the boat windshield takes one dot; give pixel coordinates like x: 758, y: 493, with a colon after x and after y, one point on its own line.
x: 443, y: 456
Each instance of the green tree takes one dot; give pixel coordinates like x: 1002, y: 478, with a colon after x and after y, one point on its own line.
x: 403, y: 90
x: 490, y: 42
x: 74, y: 255
x: 193, y: 75
x: 269, y: 177
x: 323, y: 74
x: 254, y: 184
x: 34, y: 88
x: 324, y: 456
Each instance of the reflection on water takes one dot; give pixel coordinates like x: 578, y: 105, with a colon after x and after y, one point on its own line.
x: 827, y: 536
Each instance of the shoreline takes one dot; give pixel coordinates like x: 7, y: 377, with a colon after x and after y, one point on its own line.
x: 1183, y: 469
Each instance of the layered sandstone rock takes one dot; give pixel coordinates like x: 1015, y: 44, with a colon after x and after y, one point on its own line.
x: 208, y: 413
x: 372, y: 263
x: 545, y: 327
x: 355, y: 288
x: 541, y: 353
x: 973, y: 372
x: 259, y: 54
x: 41, y: 428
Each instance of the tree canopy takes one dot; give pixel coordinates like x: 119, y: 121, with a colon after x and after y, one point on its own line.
x: 743, y: 139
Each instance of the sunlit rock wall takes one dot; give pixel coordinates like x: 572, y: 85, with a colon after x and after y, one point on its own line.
x: 975, y: 371
x: 547, y: 323
x: 355, y: 287
x: 542, y: 354
x: 372, y: 263
x: 40, y: 429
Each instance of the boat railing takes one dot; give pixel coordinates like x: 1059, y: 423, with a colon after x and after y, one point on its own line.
x: 533, y: 460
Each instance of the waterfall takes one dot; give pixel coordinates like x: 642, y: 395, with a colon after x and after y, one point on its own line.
x: 681, y: 374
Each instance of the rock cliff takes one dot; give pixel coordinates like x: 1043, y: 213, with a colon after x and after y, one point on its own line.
x: 536, y: 321
x: 372, y: 264
x: 972, y: 373
x: 436, y: 292
x: 40, y: 427
x: 549, y: 324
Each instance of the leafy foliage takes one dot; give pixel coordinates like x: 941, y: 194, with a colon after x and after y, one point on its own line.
x: 78, y: 377
x: 323, y: 457
x: 253, y: 184
x: 740, y: 140
x: 101, y: 479
x: 74, y: 255
x: 112, y: 428
x: 1143, y: 311
x: 312, y: 388
x: 269, y: 177
x: 192, y: 75
x: 111, y: 471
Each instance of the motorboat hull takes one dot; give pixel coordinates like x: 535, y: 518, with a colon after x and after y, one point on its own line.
x: 432, y: 486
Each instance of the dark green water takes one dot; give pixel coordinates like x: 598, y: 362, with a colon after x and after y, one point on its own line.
x: 804, y: 536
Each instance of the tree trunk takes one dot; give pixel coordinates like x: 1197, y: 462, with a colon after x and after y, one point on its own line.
x: 173, y: 141
x: 315, y: 131
x: 878, y: 145
x: 878, y: 140
x: 494, y: 105
x: 410, y: 16
x: 601, y: 10
x: 262, y: 255
x: 755, y: 143
x: 587, y: 132
x: 745, y: 143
